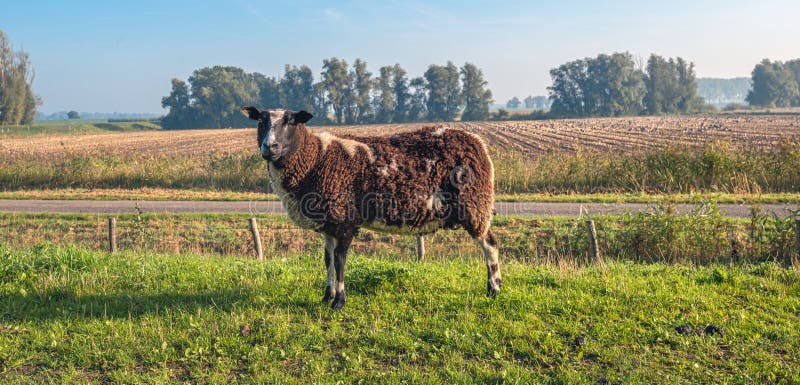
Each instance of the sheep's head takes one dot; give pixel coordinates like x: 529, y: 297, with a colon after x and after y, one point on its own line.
x: 276, y: 130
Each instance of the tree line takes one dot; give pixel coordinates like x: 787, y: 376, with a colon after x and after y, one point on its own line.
x: 775, y: 84
x: 343, y: 94
x: 616, y: 85
x: 17, y: 101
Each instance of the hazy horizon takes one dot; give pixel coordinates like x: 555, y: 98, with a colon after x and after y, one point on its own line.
x: 106, y: 57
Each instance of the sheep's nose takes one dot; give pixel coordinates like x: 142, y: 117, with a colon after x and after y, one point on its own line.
x: 273, y: 146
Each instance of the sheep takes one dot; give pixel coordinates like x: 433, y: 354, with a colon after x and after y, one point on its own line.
x: 408, y: 183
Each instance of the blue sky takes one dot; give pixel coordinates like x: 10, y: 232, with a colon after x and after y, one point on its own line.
x: 106, y: 56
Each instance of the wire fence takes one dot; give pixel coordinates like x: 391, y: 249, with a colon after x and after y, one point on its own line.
x: 702, y: 236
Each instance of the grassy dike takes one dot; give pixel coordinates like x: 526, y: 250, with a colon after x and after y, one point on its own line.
x: 68, y: 315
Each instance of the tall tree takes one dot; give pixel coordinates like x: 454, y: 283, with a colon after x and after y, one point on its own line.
x: 608, y: 85
x: 384, y: 100
x: 269, y: 95
x: 477, y: 97
x: 513, y: 103
x: 537, y: 103
x: 181, y: 114
x: 567, y: 91
x: 297, y: 89
x: 401, y: 94
x: 219, y: 91
x: 444, y: 92
x: 336, y: 81
x: 662, y: 84
x: 688, y: 101
x: 416, y: 109
x: 362, y: 86
x: 17, y: 101
x: 774, y: 85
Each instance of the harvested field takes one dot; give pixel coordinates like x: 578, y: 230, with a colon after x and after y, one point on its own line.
x: 527, y: 137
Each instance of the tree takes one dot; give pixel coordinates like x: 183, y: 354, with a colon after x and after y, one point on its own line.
x: 608, y: 85
x: 537, y: 103
x: 661, y: 83
x: 477, y: 97
x: 513, y: 103
x: 181, y: 114
x: 269, y: 95
x: 444, y: 92
x: 401, y: 94
x: 688, y: 100
x: 774, y: 85
x: 296, y: 89
x: 17, y: 101
x: 336, y: 83
x: 567, y: 91
x: 218, y: 92
x: 384, y: 100
x: 416, y: 109
x: 362, y: 86
x: 73, y: 115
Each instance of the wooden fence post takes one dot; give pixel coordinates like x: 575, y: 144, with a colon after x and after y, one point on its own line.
x: 112, y: 235
x: 420, y: 247
x: 594, y: 252
x: 797, y: 239
x: 256, y: 239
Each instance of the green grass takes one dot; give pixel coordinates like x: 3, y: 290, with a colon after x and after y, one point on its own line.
x: 69, y: 315
x: 77, y: 126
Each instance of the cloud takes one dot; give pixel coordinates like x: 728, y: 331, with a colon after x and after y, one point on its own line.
x: 333, y: 15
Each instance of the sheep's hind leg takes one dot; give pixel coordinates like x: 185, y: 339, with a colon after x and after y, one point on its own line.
x: 339, y: 259
x: 493, y: 281
x: 330, y: 286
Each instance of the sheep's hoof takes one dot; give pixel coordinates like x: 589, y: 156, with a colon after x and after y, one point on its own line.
x: 338, y: 302
x: 492, y: 290
x: 328, y: 295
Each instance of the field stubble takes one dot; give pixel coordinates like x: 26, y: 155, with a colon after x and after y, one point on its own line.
x: 743, y: 154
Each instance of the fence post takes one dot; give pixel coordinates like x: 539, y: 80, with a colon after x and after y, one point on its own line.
x: 112, y: 235
x: 256, y: 239
x: 797, y: 239
x: 420, y: 247
x: 594, y: 252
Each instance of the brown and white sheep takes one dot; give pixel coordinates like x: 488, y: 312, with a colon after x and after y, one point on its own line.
x: 408, y: 183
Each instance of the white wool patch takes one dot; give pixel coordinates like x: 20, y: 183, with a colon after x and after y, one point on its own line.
x: 491, y: 170
x: 350, y: 146
x: 439, y: 131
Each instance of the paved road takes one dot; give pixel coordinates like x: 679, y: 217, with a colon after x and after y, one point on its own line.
x: 263, y: 207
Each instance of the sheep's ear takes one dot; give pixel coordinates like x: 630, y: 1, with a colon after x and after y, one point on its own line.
x: 251, y: 112
x: 302, y: 116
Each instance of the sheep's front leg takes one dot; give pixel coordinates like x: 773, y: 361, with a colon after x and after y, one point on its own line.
x: 330, y: 286
x: 493, y: 280
x: 339, y: 259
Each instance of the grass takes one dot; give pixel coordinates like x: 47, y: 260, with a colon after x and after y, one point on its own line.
x: 68, y: 315
x: 159, y: 194
x: 711, y: 170
x: 78, y: 126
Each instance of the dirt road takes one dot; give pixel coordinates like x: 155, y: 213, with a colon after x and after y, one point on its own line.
x: 264, y: 207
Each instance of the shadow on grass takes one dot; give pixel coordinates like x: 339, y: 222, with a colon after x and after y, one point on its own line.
x: 66, y: 305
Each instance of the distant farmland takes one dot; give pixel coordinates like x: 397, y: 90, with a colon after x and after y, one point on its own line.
x: 528, y: 137
x: 730, y: 153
